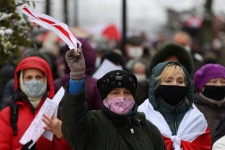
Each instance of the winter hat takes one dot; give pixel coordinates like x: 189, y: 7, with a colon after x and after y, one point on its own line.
x: 113, y: 57
x: 116, y: 79
x: 206, y: 73
x: 176, y: 50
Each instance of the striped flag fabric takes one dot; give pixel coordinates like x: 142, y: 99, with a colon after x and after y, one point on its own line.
x: 59, y: 28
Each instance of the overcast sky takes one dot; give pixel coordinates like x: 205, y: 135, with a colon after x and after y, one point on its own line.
x: 142, y: 15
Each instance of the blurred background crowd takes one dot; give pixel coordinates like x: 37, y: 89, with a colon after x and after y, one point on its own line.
x: 135, y: 36
x: 199, y: 26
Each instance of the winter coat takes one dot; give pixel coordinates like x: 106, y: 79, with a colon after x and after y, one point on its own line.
x: 93, y: 96
x: 219, y: 144
x: 220, y: 129
x: 211, y: 111
x: 105, y: 130
x: 141, y: 92
x: 26, y: 112
x: 172, y: 116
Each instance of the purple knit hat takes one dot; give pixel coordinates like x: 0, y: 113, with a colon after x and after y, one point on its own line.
x: 206, y: 73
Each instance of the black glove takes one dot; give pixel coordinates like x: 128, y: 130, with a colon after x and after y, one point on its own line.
x: 76, y: 63
x: 25, y: 146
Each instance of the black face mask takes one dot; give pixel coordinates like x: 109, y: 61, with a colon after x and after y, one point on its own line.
x: 214, y: 92
x: 172, y: 94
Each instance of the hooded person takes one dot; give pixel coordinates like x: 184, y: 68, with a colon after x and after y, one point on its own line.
x: 93, y: 96
x: 170, y: 108
x: 33, y: 84
x: 9, y: 87
x: 168, y: 52
x: 209, y: 82
x: 118, y: 125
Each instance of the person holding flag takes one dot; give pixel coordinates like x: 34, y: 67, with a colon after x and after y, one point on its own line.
x: 118, y: 125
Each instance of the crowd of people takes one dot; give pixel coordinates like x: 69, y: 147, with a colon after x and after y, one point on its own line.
x: 168, y: 96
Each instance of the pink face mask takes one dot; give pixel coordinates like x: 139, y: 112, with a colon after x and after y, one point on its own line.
x: 119, y: 105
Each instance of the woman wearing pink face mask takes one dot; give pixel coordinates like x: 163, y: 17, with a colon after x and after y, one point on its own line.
x: 118, y: 125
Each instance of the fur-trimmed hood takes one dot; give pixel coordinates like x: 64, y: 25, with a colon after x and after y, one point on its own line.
x: 172, y: 49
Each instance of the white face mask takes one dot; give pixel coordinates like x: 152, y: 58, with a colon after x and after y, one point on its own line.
x: 140, y: 77
x: 135, y: 52
x: 187, y: 48
x: 34, y: 88
x: 97, y: 61
x: 217, y: 44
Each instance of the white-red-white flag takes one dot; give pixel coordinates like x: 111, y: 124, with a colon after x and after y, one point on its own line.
x: 192, y: 134
x: 59, y: 28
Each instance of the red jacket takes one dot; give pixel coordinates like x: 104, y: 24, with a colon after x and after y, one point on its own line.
x: 25, y: 115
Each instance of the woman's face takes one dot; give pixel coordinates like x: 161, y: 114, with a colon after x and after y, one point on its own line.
x: 176, y: 78
x: 118, y: 92
x: 216, y: 82
x: 32, y: 73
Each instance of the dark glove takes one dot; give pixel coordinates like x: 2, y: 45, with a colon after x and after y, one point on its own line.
x: 25, y: 146
x: 76, y: 63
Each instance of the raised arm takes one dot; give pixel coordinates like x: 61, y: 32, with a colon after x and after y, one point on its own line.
x: 76, y: 125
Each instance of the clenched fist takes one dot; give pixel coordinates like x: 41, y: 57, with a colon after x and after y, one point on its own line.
x: 76, y: 63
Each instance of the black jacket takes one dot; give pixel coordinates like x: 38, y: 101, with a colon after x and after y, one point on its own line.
x: 220, y: 130
x: 105, y: 130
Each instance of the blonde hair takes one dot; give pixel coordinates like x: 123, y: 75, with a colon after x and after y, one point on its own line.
x: 169, y: 70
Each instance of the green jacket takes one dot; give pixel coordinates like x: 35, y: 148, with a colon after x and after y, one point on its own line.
x: 104, y: 130
x: 173, y: 115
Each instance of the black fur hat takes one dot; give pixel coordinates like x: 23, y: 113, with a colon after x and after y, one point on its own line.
x: 172, y: 49
x: 116, y: 79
